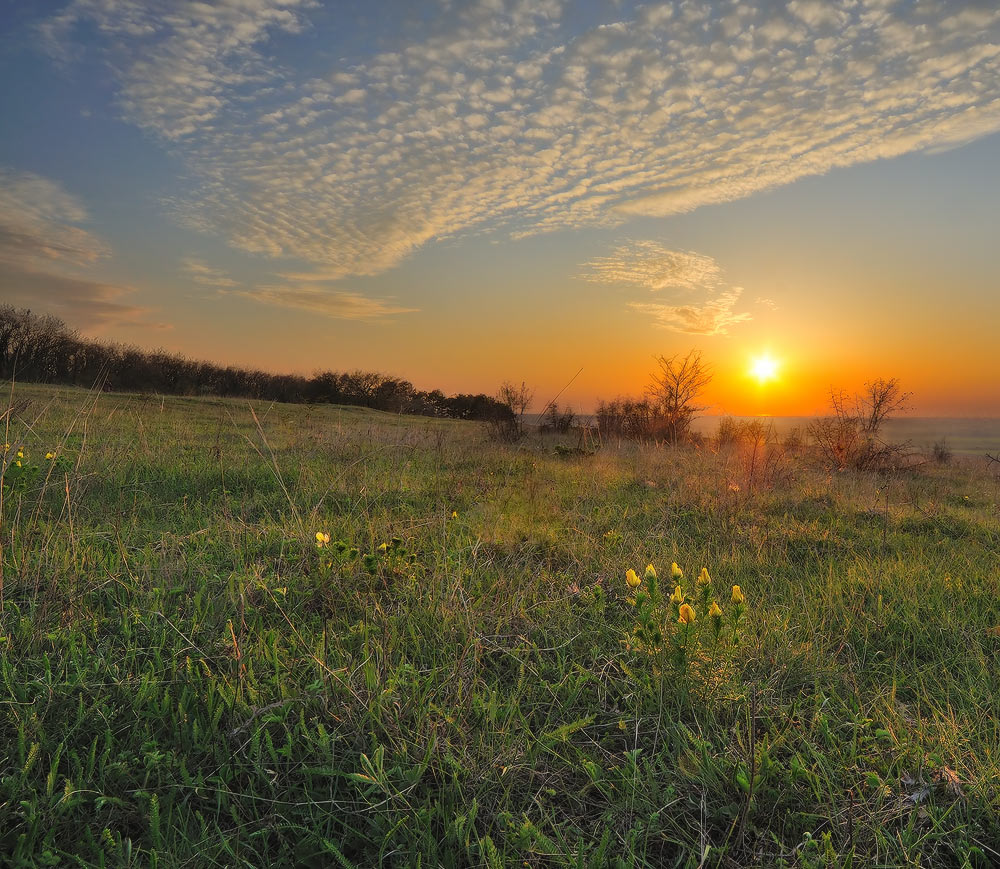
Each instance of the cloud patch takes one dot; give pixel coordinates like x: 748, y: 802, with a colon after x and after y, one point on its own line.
x: 82, y: 303
x: 38, y: 224
x: 45, y: 256
x: 202, y: 273
x: 713, y: 317
x: 653, y: 267
x: 649, y: 265
x: 337, y: 305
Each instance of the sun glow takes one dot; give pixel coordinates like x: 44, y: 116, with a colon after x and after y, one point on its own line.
x: 764, y: 368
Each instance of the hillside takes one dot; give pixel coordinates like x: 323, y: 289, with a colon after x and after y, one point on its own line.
x: 461, y: 675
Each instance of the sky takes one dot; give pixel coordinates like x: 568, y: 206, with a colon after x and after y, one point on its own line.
x: 553, y: 192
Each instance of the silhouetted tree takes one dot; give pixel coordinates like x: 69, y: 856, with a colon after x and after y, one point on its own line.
x: 675, y: 391
x: 851, y: 437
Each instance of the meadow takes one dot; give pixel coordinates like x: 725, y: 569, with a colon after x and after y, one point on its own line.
x: 463, y: 673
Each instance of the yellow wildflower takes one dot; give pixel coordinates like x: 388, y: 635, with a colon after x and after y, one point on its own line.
x: 675, y: 571
x: 650, y: 572
x: 686, y: 614
x: 704, y: 578
x: 454, y: 514
x: 322, y: 539
x: 678, y: 596
x: 738, y: 595
x: 50, y: 456
x: 715, y: 611
x: 383, y: 547
x: 632, y: 579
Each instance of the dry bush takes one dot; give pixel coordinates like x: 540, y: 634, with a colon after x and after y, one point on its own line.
x: 941, y: 452
x: 556, y: 420
x: 669, y: 408
x: 626, y: 418
x: 851, y: 437
x: 756, y: 457
x: 513, y: 401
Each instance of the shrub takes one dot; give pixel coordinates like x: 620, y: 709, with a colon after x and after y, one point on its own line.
x: 555, y: 420
x: 941, y: 452
x: 851, y: 437
x: 669, y: 408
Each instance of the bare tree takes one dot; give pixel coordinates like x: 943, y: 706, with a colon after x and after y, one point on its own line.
x: 675, y: 391
x: 515, y: 400
x: 852, y: 437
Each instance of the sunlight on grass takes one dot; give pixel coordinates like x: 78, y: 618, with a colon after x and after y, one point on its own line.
x: 342, y: 637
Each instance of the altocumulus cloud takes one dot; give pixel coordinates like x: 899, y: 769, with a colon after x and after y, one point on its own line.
x: 653, y: 267
x: 650, y: 265
x: 528, y: 114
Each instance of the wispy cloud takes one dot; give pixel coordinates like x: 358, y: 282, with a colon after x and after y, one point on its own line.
x: 335, y: 304
x: 202, y: 273
x: 650, y: 265
x: 653, y: 267
x: 714, y: 317
x: 510, y: 113
x: 45, y: 256
x: 38, y: 224
x: 83, y: 303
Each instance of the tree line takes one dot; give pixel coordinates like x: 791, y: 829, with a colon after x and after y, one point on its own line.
x: 43, y: 349
x: 667, y: 410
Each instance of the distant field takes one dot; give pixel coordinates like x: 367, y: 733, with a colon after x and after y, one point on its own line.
x: 963, y: 436
x: 462, y: 676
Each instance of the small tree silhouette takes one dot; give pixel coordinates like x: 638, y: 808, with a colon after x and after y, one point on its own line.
x: 514, y: 401
x: 851, y: 438
x: 675, y: 391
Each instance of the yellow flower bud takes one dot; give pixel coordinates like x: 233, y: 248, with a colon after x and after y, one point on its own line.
x: 675, y: 571
x: 704, y: 578
x: 632, y: 579
x: 738, y: 595
x: 650, y: 572
x: 715, y: 611
x: 686, y: 615
x: 322, y: 539
x: 678, y: 596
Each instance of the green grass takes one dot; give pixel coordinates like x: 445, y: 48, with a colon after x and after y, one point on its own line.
x: 189, y: 681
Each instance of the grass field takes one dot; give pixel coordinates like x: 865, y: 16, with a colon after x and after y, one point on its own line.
x: 190, y: 680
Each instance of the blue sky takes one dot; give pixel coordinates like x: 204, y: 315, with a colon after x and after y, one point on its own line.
x: 462, y: 192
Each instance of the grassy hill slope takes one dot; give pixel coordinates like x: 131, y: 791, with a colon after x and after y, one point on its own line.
x: 462, y: 675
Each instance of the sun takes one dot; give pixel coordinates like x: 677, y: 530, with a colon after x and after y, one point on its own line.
x: 764, y: 368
